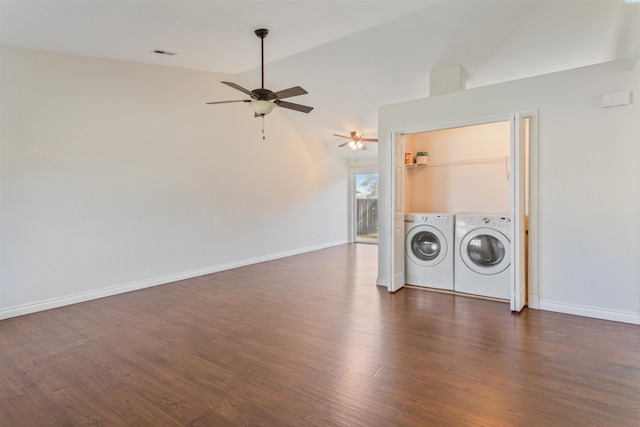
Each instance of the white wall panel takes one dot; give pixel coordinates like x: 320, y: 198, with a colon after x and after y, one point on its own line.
x: 588, y: 185
x: 116, y: 173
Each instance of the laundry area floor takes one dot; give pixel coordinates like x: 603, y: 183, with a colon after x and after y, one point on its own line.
x: 310, y: 340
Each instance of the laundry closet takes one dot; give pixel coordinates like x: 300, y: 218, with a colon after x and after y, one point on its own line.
x: 457, y: 203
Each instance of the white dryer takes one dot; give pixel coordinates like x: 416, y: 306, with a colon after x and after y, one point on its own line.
x: 482, y: 256
x: 429, y: 250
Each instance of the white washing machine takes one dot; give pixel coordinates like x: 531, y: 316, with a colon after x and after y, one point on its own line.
x: 483, y: 255
x: 429, y: 250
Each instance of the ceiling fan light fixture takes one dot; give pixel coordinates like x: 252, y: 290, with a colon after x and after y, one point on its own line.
x: 262, y: 107
x: 355, y: 145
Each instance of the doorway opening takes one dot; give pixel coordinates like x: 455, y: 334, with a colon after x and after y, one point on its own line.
x: 365, y: 209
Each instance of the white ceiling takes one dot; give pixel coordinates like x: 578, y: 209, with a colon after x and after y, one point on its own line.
x: 350, y: 55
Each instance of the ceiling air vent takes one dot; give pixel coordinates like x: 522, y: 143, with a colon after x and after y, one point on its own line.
x: 163, y: 52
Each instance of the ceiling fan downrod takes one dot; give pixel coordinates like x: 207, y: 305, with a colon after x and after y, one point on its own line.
x: 262, y: 33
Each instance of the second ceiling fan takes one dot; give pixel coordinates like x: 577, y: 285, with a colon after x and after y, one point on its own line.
x: 262, y: 100
x: 356, y: 140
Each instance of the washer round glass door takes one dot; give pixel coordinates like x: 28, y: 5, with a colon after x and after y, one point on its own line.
x: 485, y: 251
x: 425, y: 246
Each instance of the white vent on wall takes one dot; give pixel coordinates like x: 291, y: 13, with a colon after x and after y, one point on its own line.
x: 616, y: 99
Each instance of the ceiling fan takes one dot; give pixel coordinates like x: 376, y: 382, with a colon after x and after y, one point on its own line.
x: 356, y: 140
x: 262, y: 100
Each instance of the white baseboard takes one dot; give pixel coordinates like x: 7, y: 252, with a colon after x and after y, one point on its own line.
x: 48, y: 304
x: 533, y: 301
x: 382, y: 281
x: 588, y: 311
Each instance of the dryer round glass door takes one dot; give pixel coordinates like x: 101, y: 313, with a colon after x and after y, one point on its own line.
x: 485, y: 251
x: 426, y: 246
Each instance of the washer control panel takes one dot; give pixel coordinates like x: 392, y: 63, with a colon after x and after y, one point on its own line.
x: 485, y: 221
x: 435, y: 219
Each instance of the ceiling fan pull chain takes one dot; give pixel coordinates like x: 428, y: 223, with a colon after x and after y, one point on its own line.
x: 263, y: 137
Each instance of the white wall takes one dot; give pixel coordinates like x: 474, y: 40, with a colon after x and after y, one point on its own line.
x: 468, y: 170
x: 588, y: 181
x: 116, y: 176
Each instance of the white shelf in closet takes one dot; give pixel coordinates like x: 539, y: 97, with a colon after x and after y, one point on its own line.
x: 500, y: 159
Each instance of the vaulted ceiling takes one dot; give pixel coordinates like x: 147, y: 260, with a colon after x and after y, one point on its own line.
x: 350, y: 55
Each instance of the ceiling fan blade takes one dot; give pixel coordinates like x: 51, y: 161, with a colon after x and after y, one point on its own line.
x: 369, y: 139
x: 292, y: 106
x: 363, y: 148
x: 292, y: 91
x: 342, y: 145
x: 238, y: 87
x: 342, y: 136
x: 227, y: 102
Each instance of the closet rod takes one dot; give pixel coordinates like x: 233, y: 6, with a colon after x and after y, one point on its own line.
x: 471, y: 161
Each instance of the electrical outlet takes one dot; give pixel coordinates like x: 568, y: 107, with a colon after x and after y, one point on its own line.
x: 207, y: 250
x: 318, y: 234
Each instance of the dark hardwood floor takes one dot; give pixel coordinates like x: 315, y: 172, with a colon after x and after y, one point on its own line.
x: 311, y: 341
